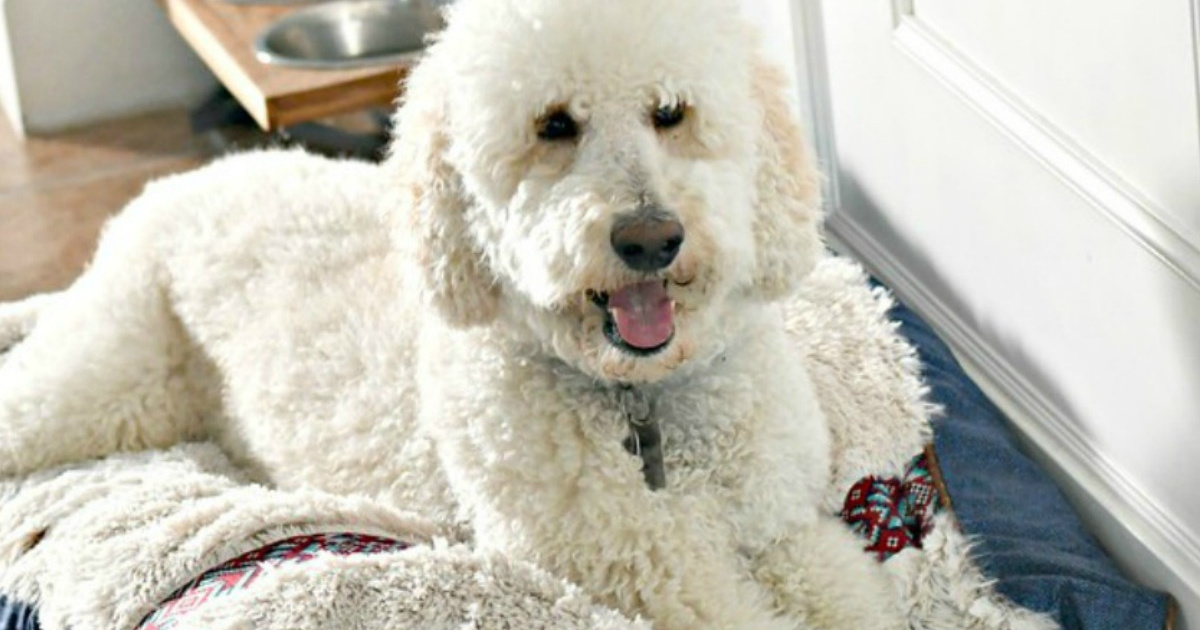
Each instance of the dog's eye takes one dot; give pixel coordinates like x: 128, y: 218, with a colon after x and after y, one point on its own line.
x: 557, y: 125
x: 669, y: 116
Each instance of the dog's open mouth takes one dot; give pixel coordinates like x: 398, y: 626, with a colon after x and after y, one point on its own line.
x: 639, y: 318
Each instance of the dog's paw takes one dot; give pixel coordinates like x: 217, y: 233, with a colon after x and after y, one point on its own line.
x: 18, y: 319
x: 4, y: 355
x: 8, y: 342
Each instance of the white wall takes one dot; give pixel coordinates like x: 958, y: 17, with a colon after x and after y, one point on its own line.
x: 78, y: 61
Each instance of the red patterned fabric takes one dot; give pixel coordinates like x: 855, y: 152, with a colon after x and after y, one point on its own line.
x: 239, y: 573
x: 893, y: 513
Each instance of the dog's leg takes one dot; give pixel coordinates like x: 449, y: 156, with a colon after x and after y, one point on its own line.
x: 821, y: 575
x: 103, y: 366
x: 536, y: 456
x: 18, y: 318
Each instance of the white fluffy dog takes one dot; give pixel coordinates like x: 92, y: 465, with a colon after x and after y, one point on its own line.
x: 552, y: 313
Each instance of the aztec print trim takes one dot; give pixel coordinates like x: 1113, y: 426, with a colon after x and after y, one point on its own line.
x: 893, y: 513
x: 239, y: 573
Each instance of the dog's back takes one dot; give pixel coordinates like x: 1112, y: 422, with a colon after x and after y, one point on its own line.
x: 261, y: 301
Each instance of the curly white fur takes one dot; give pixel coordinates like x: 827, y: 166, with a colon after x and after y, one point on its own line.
x: 419, y: 332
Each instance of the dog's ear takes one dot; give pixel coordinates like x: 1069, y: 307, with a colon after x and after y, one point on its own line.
x: 457, y: 281
x: 788, y: 210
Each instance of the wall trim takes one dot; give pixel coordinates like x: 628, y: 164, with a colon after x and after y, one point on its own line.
x: 1103, y: 189
x: 9, y: 101
x: 1121, y: 513
x: 812, y: 83
x: 1195, y: 4
x: 901, y: 9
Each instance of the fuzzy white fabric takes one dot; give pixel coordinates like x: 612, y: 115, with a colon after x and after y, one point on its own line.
x: 867, y: 378
x: 98, y: 546
x: 422, y: 334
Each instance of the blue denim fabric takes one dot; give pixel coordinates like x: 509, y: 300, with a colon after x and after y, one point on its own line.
x: 1029, y: 538
x: 17, y: 616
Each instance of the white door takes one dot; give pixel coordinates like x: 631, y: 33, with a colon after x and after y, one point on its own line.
x: 1026, y: 173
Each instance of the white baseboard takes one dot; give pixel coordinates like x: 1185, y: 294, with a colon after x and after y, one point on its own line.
x: 1142, y: 538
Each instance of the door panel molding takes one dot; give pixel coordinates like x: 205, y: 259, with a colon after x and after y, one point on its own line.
x: 1195, y: 4
x: 891, y: 68
x: 1104, y: 190
x: 901, y: 10
x: 815, y: 102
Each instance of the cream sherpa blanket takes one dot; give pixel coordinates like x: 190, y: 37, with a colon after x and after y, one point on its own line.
x: 101, y: 545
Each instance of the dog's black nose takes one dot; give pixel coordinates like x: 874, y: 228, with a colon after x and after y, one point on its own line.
x: 647, y: 243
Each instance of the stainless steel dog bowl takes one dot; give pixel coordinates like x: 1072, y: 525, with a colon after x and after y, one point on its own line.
x: 350, y: 34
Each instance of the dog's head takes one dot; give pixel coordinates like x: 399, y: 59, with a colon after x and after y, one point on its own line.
x: 610, y: 180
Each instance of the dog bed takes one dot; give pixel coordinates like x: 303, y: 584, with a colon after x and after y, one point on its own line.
x: 1026, y: 536
x: 117, y: 543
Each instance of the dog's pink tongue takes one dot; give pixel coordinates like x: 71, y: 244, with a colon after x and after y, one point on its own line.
x: 644, y: 314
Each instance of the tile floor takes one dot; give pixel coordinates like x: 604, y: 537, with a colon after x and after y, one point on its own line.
x: 56, y: 191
